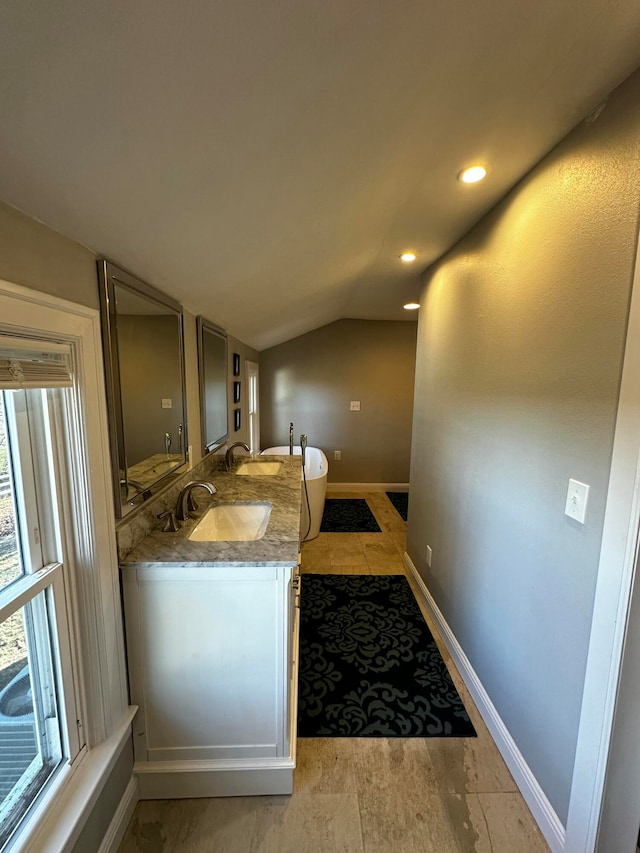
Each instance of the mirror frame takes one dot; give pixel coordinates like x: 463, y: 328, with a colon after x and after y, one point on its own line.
x: 202, y: 325
x: 109, y: 275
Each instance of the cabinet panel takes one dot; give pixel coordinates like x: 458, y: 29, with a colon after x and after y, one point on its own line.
x: 212, y: 667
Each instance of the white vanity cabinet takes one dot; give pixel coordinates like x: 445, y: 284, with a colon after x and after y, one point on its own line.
x: 212, y: 654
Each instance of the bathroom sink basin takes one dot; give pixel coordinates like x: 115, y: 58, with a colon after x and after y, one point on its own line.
x: 232, y: 522
x: 259, y: 469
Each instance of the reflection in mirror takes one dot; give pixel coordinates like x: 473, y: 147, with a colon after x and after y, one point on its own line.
x: 212, y: 359
x: 142, y: 335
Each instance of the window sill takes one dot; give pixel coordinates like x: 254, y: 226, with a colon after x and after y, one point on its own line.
x: 59, y: 818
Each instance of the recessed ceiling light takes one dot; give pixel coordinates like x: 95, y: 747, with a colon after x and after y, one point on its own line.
x: 412, y: 306
x: 408, y: 257
x: 472, y: 175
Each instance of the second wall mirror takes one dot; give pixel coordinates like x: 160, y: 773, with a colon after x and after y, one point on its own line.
x: 212, y: 362
x: 144, y: 365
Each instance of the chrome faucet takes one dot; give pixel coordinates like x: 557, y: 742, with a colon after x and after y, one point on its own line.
x: 291, y: 439
x: 228, y: 459
x: 186, y: 504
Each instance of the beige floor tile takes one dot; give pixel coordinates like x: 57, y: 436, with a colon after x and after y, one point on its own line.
x: 325, y: 766
x: 375, y: 538
x: 382, y: 554
x: 392, y: 527
x: 468, y: 824
x: 225, y: 824
x: 313, y: 545
x: 383, y: 763
x: 317, y: 560
x: 349, y: 570
x: 469, y: 765
x: 334, y: 540
x: 320, y: 569
x: 347, y: 554
x: 390, y: 569
x: 399, y: 539
x: 321, y: 539
x: 308, y: 823
x: 400, y: 806
x: 510, y: 824
x: 377, y: 498
x: 154, y: 827
x: 388, y: 518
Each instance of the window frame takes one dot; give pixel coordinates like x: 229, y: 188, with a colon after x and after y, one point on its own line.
x: 88, y: 539
x: 38, y: 477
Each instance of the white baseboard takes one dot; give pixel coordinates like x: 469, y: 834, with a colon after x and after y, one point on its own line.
x: 367, y: 487
x: 242, y: 777
x: 120, y: 821
x: 542, y: 810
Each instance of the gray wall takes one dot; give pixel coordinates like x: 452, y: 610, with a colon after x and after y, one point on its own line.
x: 35, y: 256
x: 520, y: 347
x: 311, y: 380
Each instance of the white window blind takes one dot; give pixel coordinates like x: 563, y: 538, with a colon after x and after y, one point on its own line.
x: 27, y: 364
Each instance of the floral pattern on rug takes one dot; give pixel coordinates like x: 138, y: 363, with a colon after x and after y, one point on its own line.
x: 369, y: 666
x: 348, y: 515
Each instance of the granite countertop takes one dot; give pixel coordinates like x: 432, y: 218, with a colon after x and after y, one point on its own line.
x: 278, y: 547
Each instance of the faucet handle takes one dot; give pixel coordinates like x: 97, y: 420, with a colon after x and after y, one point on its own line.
x: 171, y: 525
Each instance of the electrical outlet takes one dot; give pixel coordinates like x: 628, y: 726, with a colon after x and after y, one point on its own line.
x: 337, y: 455
x: 429, y: 555
x: 355, y: 406
x: 167, y: 403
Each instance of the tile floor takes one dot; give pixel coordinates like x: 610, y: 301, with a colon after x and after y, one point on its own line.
x: 357, y: 795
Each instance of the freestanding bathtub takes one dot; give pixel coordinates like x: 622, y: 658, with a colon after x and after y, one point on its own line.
x: 316, y: 469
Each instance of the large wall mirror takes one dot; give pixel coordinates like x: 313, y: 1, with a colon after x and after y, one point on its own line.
x: 144, y: 364
x: 212, y: 362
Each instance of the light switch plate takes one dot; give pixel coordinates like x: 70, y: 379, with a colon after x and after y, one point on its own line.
x: 577, y: 497
x: 167, y: 403
x: 355, y: 405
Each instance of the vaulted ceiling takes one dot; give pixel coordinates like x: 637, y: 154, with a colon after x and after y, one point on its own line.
x: 267, y: 162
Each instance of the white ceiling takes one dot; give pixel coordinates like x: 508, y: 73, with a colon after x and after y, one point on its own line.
x: 265, y: 163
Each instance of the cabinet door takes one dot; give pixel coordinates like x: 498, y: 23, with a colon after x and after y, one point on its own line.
x: 211, y: 647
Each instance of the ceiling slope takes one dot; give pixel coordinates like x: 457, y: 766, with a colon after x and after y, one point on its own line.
x: 266, y: 163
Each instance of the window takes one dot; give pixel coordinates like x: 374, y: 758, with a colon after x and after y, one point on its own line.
x: 39, y: 724
x: 62, y: 677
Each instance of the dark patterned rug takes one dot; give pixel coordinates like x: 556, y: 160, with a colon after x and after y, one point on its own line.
x: 369, y: 666
x: 400, y: 500
x: 348, y: 515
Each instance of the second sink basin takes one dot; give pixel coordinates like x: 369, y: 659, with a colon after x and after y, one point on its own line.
x: 232, y: 522
x: 253, y: 469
